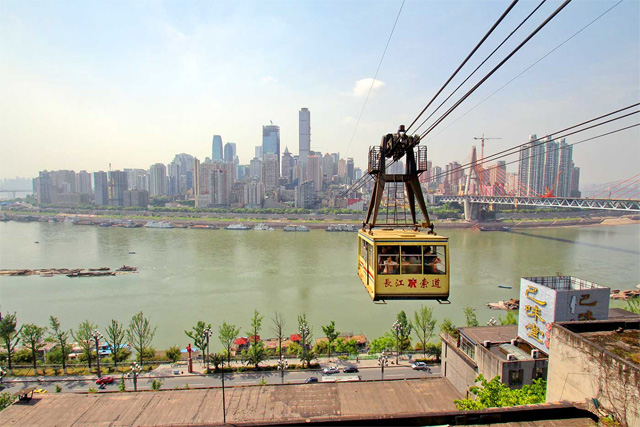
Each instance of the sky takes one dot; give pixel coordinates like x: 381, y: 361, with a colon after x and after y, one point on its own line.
x: 132, y: 83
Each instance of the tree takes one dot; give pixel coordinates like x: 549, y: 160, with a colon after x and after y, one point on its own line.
x: 305, y: 354
x: 404, y: 332
x: 197, y: 335
x: 470, y: 315
x: 61, y: 338
x: 173, y: 353
x: 424, y: 325
x: 84, y: 338
x: 509, y: 319
x: 495, y: 394
x: 383, y: 343
x: 10, y: 335
x: 278, y: 329
x: 447, y: 327
x: 228, y: 334
x: 33, y: 337
x: 633, y: 305
x: 256, y: 353
x: 115, y: 335
x: 346, y: 346
x: 140, y: 334
x: 332, y: 334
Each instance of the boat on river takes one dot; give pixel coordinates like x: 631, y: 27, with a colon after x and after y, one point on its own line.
x: 296, y: 228
x: 237, y: 226
x: 158, y: 224
x: 342, y: 227
x: 204, y: 227
x: 263, y: 227
x: 504, y: 286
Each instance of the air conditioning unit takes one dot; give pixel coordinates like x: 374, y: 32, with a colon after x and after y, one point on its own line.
x: 535, y: 353
x: 486, y: 343
x: 514, y: 341
x: 511, y: 356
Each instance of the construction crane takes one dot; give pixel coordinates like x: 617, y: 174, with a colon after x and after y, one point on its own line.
x: 482, y: 139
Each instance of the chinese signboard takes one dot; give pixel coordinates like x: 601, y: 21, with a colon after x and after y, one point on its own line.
x: 545, y: 300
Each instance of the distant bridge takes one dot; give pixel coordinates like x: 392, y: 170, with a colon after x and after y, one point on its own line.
x: 630, y: 205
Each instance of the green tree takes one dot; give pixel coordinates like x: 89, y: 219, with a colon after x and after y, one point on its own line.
x: 332, y: 334
x: 6, y: 399
x: 227, y: 335
x: 174, y: 353
x: 278, y: 328
x: 256, y: 353
x: 633, y: 305
x: 197, y: 335
x: 294, y: 349
x: 470, y: 316
x: 509, y: 319
x: 217, y: 359
x: 61, y: 336
x: 10, y: 335
x: 404, y: 331
x: 346, y: 346
x: 33, y: 337
x: 424, y: 325
x: 140, y: 334
x: 115, y: 335
x: 447, y: 327
x: 84, y: 339
x: 306, y: 355
x: 384, y: 343
x: 321, y: 347
x: 495, y: 394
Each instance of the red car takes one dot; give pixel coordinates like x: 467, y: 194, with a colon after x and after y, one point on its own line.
x: 104, y: 380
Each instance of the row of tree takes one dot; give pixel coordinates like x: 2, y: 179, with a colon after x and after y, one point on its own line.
x: 139, y: 334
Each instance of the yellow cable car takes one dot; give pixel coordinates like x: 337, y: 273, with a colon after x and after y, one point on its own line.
x: 401, y: 260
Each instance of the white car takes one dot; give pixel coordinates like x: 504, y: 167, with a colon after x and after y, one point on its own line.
x: 420, y: 366
x: 331, y: 370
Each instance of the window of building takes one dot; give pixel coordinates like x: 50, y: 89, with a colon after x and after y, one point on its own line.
x: 468, y: 347
x: 539, y: 372
x: 515, y: 376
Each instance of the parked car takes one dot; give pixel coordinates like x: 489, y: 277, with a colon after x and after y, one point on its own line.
x: 350, y: 369
x: 104, y: 380
x: 420, y: 366
x: 311, y: 380
x: 331, y: 370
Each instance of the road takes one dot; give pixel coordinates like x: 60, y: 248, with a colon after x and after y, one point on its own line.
x: 83, y: 384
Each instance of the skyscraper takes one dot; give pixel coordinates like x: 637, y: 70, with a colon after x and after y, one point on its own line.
x: 158, y: 180
x: 83, y: 182
x: 216, y: 148
x: 118, y: 184
x: 550, y: 165
x: 304, y: 124
x: 565, y: 166
x: 271, y: 141
x: 101, y: 188
x: 287, y: 165
x: 229, y: 152
x: 314, y: 170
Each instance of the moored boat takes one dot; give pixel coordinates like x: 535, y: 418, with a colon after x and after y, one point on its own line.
x: 237, y: 226
x: 263, y: 227
x: 158, y: 224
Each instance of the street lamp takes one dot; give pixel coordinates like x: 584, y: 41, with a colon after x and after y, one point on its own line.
x: 383, y: 361
x: 304, y: 331
x: 207, y: 334
x: 282, y: 365
x: 224, y: 405
x: 135, y: 370
x: 398, y: 327
x: 97, y: 336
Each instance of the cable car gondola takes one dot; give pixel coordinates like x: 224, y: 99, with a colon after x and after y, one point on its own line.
x: 401, y: 258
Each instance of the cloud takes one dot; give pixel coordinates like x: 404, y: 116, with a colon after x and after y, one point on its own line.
x: 267, y: 80
x: 361, y: 88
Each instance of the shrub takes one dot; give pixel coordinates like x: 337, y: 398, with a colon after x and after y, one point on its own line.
x: 58, y: 388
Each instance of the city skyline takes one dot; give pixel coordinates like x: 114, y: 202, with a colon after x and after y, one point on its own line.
x: 78, y: 94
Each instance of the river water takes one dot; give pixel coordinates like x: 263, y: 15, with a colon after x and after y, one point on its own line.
x: 214, y: 275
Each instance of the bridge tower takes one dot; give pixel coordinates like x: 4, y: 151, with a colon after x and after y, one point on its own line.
x: 471, y: 209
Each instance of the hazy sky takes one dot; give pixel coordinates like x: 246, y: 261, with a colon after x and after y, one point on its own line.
x: 85, y: 84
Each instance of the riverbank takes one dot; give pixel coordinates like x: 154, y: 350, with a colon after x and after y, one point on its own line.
x: 278, y: 221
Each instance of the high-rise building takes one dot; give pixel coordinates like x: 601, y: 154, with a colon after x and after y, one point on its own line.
x: 327, y: 167
x: 138, y: 179
x: 101, y: 188
x: 196, y: 177
x: 185, y: 162
x: 218, y: 184
x: 575, y: 182
x: 550, y: 165
x: 118, y: 184
x: 136, y: 198
x: 173, y: 179
x: 45, y: 188
x: 305, y: 195
x: 63, y: 181
x: 254, y: 194
x: 342, y: 169
x: 256, y: 169
x: 314, y: 171
x: 565, y: 167
x: 304, y: 137
x: 229, y: 152
x: 523, y: 168
x: 83, y: 182
x: 287, y: 165
x: 271, y: 172
x: 216, y: 148
x: 350, y: 175
x: 158, y: 180
x: 271, y: 142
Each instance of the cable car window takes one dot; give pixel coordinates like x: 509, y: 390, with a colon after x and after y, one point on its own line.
x: 411, y: 261
x: 434, y: 259
x: 371, y: 260
x: 388, y: 260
